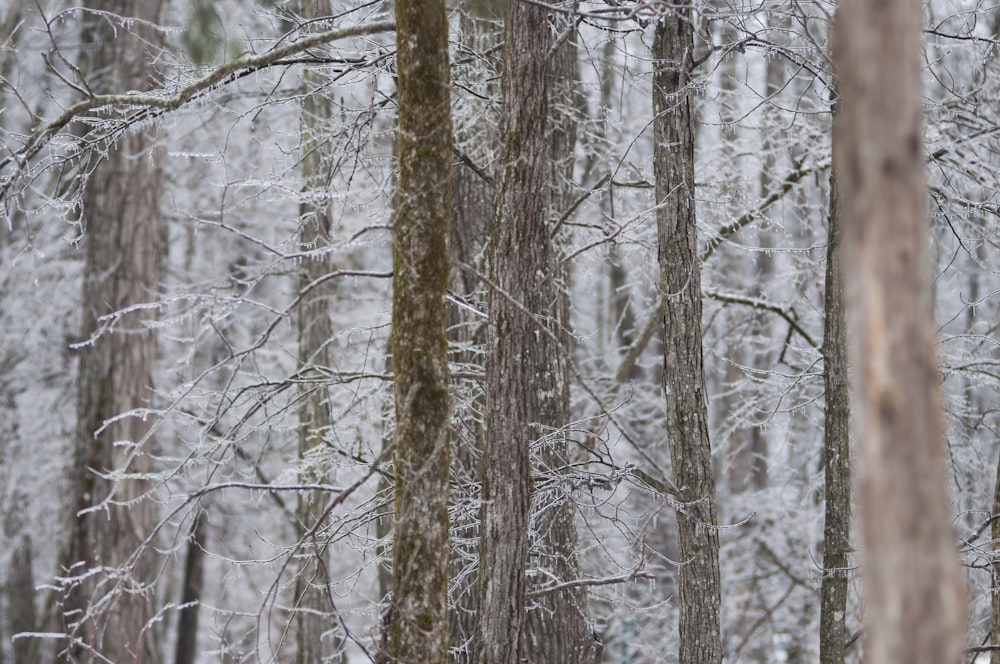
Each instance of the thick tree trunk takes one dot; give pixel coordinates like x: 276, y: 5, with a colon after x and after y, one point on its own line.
x: 121, y: 221
x: 558, y: 629
x: 914, y: 590
x: 519, y: 256
x: 683, y: 379
x: 472, y: 212
x: 836, y: 453
x: 418, y: 623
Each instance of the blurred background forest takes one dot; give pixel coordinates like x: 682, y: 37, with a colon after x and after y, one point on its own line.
x: 205, y: 399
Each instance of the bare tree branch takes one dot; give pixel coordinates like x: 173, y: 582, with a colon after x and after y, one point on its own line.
x: 144, y: 102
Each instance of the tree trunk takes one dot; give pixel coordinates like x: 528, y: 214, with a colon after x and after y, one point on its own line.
x: 836, y: 453
x: 995, y: 585
x: 914, y: 591
x: 418, y: 629
x: 121, y: 220
x: 21, y: 600
x: 519, y: 255
x: 472, y: 212
x: 683, y: 379
x: 557, y: 624
x: 312, y: 616
x: 194, y: 568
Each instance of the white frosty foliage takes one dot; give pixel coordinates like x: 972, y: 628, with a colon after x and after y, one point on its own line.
x: 228, y: 384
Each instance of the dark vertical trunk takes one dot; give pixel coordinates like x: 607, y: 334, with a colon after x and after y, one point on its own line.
x: 557, y: 627
x: 418, y: 622
x: 995, y: 585
x: 519, y: 255
x: 21, y: 600
x: 194, y: 567
x: 683, y: 379
x: 914, y: 588
x: 836, y: 453
x: 122, y: 224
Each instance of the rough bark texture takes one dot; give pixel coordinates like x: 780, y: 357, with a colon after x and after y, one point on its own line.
x: 122, y: 228
x: 313, y: 617
x: 558, y: 629
x: 418, y: 629
x: 683, y: 377
x: 472, y: 212
x: 519, y: 254
x: 836, y: 453
x: 914, y: 590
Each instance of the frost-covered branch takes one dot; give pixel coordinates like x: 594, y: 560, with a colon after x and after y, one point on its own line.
x: 764, y: 305
x: 649, y: 328
x: 750, y: 216
x: 635, y: 573
x: 141, y: 104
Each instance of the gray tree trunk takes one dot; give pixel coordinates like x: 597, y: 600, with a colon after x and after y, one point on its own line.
x: 558, y: 629
x: 418, y: 622
x: 836, y: 452
x: 915, y: 601
x: 121, y: 220
x: 683, y: 379
x: 472, y: 211
x: 519, y: 255
x: 315, y: 624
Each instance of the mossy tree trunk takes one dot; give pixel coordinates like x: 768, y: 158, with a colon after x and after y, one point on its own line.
x: 418, y: 622
x: 519, y: 257
x: 913, y: 584
x: 683, y: 375
x: 111, y: 613
x: 836, y: 452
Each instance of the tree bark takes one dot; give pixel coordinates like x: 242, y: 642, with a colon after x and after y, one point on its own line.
x: 21, y: 599
x: 519, y: 256
x: 683, y: 379
x: 313, y: 616
x: 418, y: 629
x: 995, y: 585
x: 472, y: 212
x: 121, y: 220
x: 558, y: 628
x: 194, y: 568
x: 914, y: 590
x: 836, y: 452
